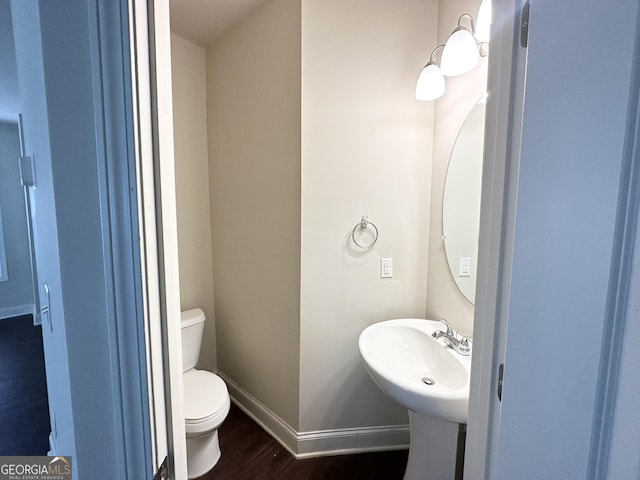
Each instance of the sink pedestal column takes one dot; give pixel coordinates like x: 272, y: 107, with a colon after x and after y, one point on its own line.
x: 433, y: 446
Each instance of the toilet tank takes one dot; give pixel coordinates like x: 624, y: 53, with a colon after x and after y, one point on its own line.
x: 192, y: 326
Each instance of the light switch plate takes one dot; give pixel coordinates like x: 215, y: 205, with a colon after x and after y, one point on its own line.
x: 386, y: 267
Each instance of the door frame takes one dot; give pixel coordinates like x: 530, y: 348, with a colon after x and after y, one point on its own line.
x: 77, y: 130
x: 101, y: 415
x: 505, y: 96
x: 151, y: 64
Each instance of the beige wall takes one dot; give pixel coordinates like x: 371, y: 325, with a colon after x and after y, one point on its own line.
x: 253, y: 104
x: 444, y: 300
x: 366, y: 149
x: 192, y: 187
x: 312, y: 122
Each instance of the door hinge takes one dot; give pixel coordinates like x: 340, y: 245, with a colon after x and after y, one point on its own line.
x: 44, y: 315
x: 524, y: 25
x: 27, y: 171
x: 25, y: 162
x: 163, y: 471
x: 500, y: 380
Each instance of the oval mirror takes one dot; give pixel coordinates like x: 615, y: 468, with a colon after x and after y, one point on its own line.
x: 461, y: 203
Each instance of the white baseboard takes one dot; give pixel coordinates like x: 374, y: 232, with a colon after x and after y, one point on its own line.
x: 352, y: 440
x: 263, y: 416
x: 318, y: 443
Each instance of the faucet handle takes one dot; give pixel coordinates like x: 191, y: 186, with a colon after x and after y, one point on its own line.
x: 465, y: 344
x: 448, y: 325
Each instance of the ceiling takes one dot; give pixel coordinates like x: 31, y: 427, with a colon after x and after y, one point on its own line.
x: 202, y: 21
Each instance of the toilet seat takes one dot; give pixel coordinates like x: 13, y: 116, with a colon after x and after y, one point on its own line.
x: 206, y: 401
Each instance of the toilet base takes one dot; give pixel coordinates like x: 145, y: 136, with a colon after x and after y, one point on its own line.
x: 203, y: 452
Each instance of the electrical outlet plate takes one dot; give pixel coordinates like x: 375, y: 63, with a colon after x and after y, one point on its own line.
x: 465, y: 267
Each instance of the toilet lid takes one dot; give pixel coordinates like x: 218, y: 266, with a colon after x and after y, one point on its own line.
x: 205, y: 394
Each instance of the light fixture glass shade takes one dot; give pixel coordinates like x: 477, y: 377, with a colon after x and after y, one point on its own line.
x: 483, y: 22
x: 430, y: 83
x: 460, y: 53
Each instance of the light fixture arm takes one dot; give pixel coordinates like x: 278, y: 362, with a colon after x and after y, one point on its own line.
x: 482, y: 46
x: 466, y: 15
x: 431, y: 62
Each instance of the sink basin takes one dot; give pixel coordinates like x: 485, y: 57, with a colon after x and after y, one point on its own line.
x: 416, y: 370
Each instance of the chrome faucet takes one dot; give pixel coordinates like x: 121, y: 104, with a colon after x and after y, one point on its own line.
x: 449, y: 330
x: 461, y: 346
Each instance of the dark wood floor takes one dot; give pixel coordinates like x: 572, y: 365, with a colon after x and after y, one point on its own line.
x: 249, y: 453
x: 24, y: 405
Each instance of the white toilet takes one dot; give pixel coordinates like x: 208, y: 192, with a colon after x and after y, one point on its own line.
x: 206, y: 399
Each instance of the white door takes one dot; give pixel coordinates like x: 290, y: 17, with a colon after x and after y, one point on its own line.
x: 564, y: 289
x: 34, y: 133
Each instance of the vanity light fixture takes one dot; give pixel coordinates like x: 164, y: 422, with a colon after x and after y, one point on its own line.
x: 431, y: 81
x: 460, y: 54
x: 483, y: 22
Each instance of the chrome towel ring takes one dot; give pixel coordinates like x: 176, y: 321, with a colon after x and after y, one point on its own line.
x: 363, y: 225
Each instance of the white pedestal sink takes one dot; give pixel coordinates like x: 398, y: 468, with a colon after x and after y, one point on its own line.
x: 429, y: 379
